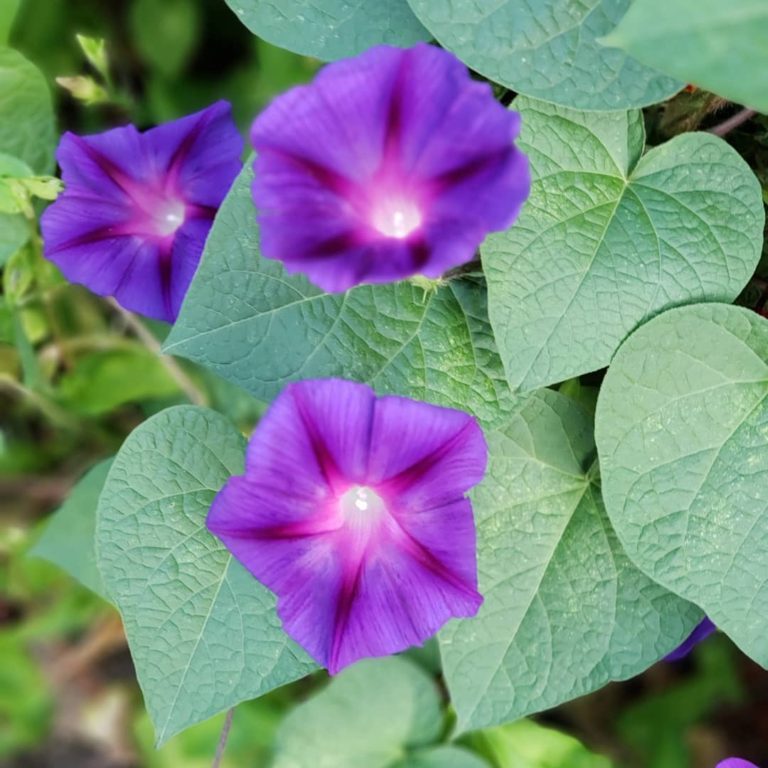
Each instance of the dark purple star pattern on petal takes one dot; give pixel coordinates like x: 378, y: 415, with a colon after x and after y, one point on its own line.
x: 352, y: 509
x: 390, y: 164
x: 137, y: 207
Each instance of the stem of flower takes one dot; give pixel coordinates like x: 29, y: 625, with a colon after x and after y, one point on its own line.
x: 733, y: 122
x: 223, y: 739
x: 195, y: 395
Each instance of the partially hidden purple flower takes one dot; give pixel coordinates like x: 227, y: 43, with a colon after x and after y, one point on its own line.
x: 390, y: 164
x: 735, y: 762
x: 352, y: 510
x: 701, y: 631
x: 137, y: 207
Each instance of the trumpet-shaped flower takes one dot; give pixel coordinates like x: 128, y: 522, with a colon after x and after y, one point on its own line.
x: 390, y: 164
x: 137, y: 207
x: 352, y: 510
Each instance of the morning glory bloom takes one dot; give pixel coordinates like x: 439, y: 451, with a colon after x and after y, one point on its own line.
x: 390, y: 164
x: 352, y: 510
x: 735, y: 762
x: 137, y: 207
x: 702, y: 631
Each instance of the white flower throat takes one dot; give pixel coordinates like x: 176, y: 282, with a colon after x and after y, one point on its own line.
x: 396, y: 217
x: 361, y: 504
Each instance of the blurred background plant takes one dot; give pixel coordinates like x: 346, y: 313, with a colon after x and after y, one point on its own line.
x: 77, y: 375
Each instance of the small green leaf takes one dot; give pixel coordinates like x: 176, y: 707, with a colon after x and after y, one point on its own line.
x: 720, y: 46
x: 565, y: 610
x: 43, y: 187
x: 369, y: 715
x: 682, y: 421
x: 27, y: 128
x: 18, y: 184
x: 548, y: 49
x: 330, y: 29
x: 95, y: 50
x: 250, y: 322
x: 203, y: 633
x: 609, y: 238
x: 85, y: 89
x: 526, y: 744
x: 69, y: 536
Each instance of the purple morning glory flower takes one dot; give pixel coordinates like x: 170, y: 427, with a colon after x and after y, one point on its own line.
x: 702, y: 630
x: 352, y: 510
x: 735, y: 762
x: 390, y: 164
x: 137, y: 207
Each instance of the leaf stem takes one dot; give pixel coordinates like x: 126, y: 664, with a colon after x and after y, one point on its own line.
x: 733, y: 122
x: 195, y: 395
x: 223, y: 739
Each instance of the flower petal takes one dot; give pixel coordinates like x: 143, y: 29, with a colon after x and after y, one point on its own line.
x: 397, y: 595
x: 91, y: 243
x: 460, y: 140
x: 276, y: 540
x: 338, y: 122
x: 441, y: 453
x: 389, y: 595
x: 735, y: 762
x: 198, y: 154
x: 105, y: 164
x: 188, y: 245
x: 314, y: 438
x: 86, y: 240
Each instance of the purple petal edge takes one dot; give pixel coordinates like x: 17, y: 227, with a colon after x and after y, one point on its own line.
x: 702, y: 631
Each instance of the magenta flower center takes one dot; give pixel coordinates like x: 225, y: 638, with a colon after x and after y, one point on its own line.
x: 395, y: 216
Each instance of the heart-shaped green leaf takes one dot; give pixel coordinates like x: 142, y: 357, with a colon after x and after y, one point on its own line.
x: 330, y: 29
x: 69, y: 537
x: 369, y: 715
x: 565, y: 610
x: 609, y: 238
x: 682, y: 429
x: 720, y: 46
x: 250, y: 322
x: 548, y: 49
x: 204, y: 635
